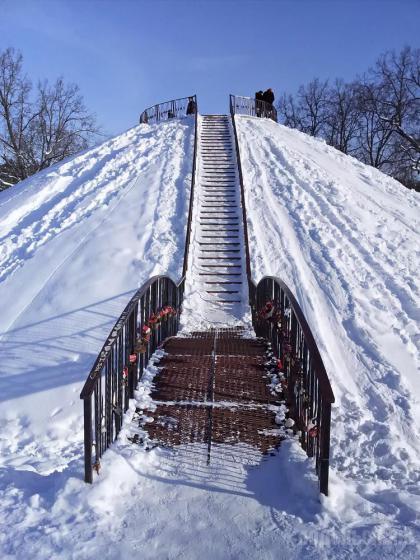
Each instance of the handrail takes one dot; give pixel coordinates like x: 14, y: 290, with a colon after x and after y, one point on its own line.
x: 240, y: 105
x: 244, y: 214
x: 277, y: 317
x: 190, y: 211
x: 173, y: 109
x: 151, y: 315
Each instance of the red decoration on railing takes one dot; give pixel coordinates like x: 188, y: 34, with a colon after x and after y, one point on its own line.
x: 312, y: 428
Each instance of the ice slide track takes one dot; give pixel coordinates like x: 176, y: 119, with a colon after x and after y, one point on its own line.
x: 202, y: 371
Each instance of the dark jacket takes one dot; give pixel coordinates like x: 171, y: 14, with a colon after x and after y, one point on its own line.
x: 268, y: 97
x: 191, y: 108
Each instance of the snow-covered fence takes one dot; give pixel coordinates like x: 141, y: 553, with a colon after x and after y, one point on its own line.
x: 151, y: 315
x: 173, y: 109
x: 252, y: 107
x: 278, y: 318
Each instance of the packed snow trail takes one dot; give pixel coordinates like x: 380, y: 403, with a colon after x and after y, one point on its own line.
x: 216, y: 288
x: 344, y: 237
x: 76, y: 241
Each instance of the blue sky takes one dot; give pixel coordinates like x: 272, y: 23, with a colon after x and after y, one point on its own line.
x: 127, y: 54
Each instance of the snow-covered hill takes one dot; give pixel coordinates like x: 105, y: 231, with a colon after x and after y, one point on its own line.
x: 75, y: 242
x: 345, y: 238
x: 78, y: 239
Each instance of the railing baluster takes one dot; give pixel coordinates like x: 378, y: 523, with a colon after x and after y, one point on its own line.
x: 87, y: 413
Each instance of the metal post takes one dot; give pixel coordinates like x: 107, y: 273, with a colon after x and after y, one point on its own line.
x: 324, y: 460
x: 87, y: 407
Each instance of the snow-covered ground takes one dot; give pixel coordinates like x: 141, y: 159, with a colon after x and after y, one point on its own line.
x: 75, y: 242
x: 341, y: 234
x: 345, y: 238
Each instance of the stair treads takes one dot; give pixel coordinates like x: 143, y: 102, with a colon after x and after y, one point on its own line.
x: 220, y: 274
x: 222, y: 291
x: 220, y: 258
x: 223, y: 251
x: 224, y: 230
x: 224, y: 282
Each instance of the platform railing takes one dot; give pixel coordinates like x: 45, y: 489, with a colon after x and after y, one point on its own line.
x: 151, y: 315
x: 173, y: 109
x: 240, y: 105
x: 278, y: 318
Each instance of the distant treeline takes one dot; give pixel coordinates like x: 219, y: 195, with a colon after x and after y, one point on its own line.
x: 375, y: 118
x: 40, y: 125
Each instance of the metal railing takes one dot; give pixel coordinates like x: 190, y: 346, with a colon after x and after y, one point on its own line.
x: 149, y: 318
x: 174, y: 109
x: 190, y: 211
x: 278, y: 318
x: 240, y: 105
x: 151, y: 315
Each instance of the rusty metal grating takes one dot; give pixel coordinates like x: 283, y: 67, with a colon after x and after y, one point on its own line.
x: 212, y: 389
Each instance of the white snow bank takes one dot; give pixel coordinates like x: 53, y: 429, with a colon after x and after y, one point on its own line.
x: 76, y: 241
x: 344, y: 237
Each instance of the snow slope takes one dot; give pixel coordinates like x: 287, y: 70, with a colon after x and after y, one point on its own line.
x: 345, y: 238
x: 342, y: 235
x: 75, y: 242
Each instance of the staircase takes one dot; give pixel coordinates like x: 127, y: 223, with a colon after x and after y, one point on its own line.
x: 216, y: 280
x: 213, y: 385
x: 216, y: 385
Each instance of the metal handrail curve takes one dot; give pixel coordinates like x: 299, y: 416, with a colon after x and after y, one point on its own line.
x: 173, y: 109
x: 278, y: 318
x: 151, y: 315
x: 240, y: 105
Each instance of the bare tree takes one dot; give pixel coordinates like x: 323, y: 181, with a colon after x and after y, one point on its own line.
x: 375, y: 118
x: 308, y: 111
x: 290, y: 112
x: 15, y: 116
x: 374, y: 134
x: 313, y: 103
x: 343, y: 117
x: 40, y: 129
x: 398, y: 78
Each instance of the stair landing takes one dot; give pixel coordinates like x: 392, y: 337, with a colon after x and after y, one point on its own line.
x: 212, y: 389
